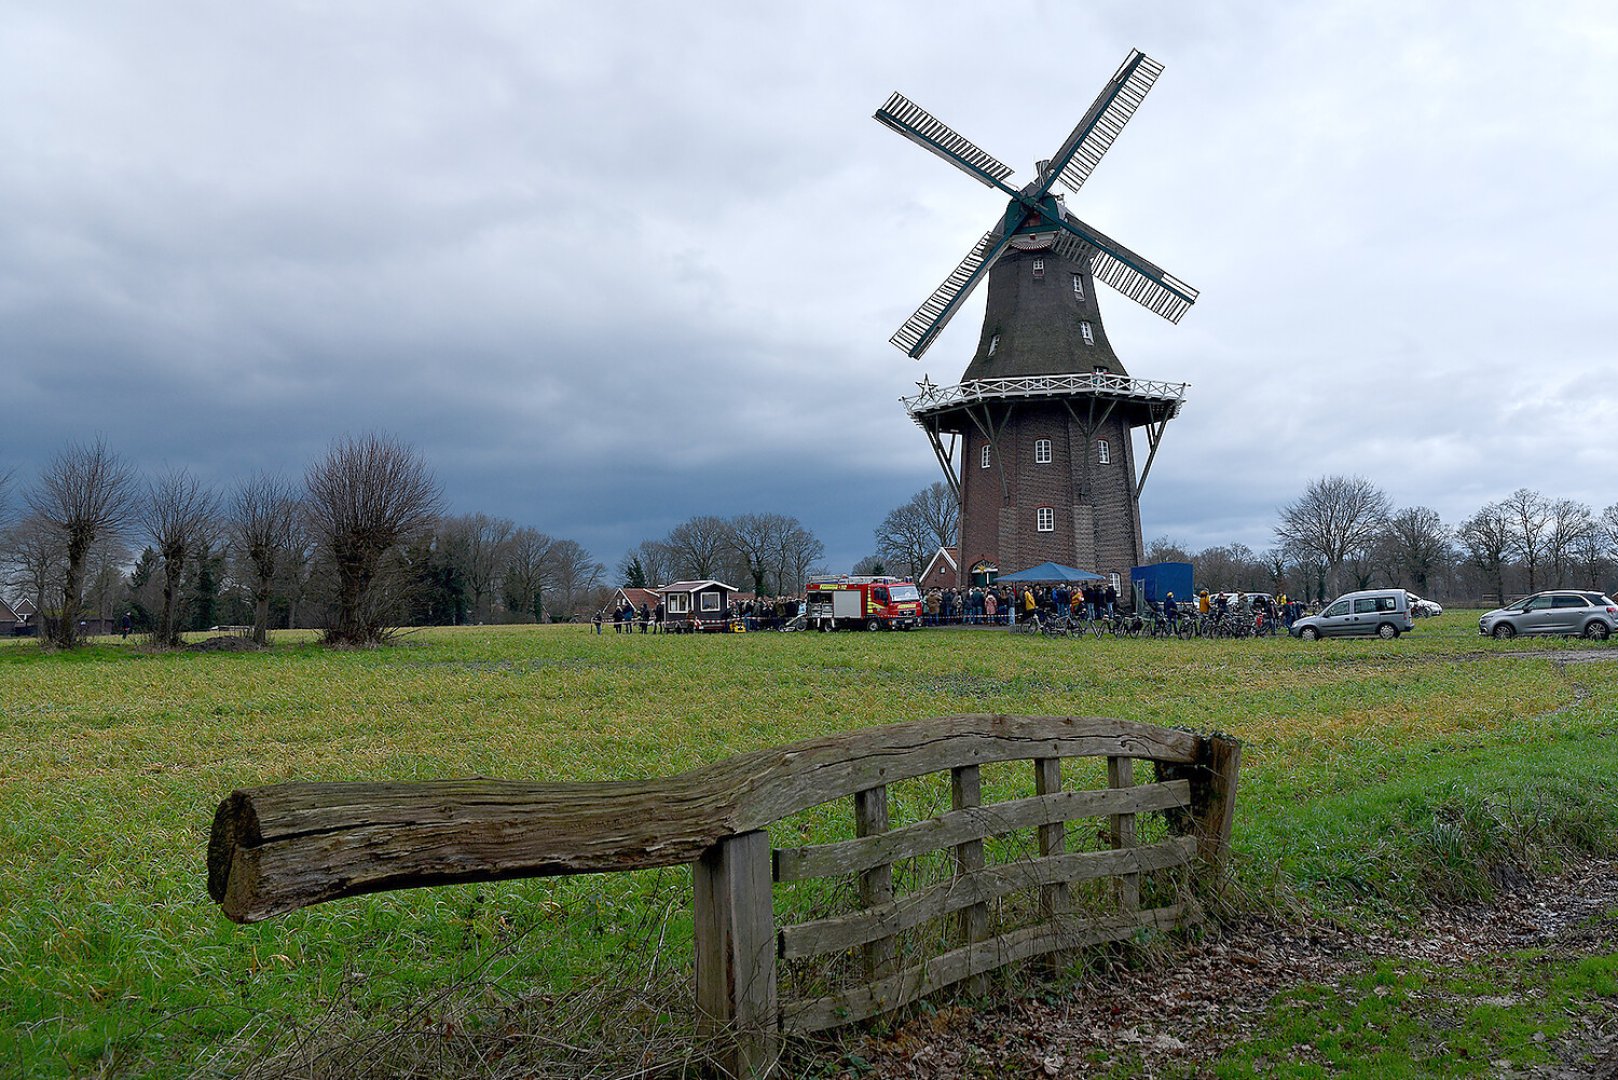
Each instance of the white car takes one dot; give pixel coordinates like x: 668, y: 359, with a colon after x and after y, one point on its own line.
x: 1424, y: 608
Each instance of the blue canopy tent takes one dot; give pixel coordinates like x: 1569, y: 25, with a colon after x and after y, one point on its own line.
x: 1049, y: 573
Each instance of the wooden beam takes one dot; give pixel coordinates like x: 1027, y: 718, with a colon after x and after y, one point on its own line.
x: 735, y: 945
x: 1121, y: 775
x: 966, y: 794
x: 1051, y: 875
x: 876, y: 883
x: 1055, y: 900
x: 974, y: 822
x: 919, y: 980
x: 1154, y: 435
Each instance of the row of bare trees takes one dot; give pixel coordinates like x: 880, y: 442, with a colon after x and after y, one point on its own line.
x: 1343, y: 532
x: 362, y: 538
x: 477, y: 568
x: 774, y: 553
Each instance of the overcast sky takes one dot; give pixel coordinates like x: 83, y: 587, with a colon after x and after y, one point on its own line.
x: 609, y: 266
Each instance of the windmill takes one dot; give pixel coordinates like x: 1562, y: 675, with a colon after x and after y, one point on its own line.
x: 1036, y: 438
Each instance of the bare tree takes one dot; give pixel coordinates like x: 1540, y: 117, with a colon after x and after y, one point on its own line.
x: 912, y: 532
x: 798, y: 551
x: 1606, y: 539
x: 1528, y: 517
x: 297, y: 575
x: 527, y: 564
x: 1418, y: 546
x: 366, y: 499
x: 657, y: 562
x: 935, y: 505
x: 179, y: 517
x: 1336, y: 517
x: 1590, y: 557
x: 1486, y: 538
x: 699, y: 546
x: 86, y: 493
x: 1162, y: 549
x: 756, y: 540
x: 572, y: 574
x: 38, y: 559
x: 264, y: 513
x: 104, y: 577
x: 1229, y: 567
x: 1571, y: 524
x: 479, y: 543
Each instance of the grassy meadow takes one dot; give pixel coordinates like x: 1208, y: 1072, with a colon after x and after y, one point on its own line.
x: 1377, y: 776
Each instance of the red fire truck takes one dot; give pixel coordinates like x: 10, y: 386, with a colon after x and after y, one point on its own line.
x: 841, y: 602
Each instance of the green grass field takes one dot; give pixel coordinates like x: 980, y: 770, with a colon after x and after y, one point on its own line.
x: 1376, y: 777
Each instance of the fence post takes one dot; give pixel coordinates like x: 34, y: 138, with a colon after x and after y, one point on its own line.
x: 1121, y: 775
x: 1055, y: 901
x: 876, y: 884
x: 1213, y: 801
x: 735, y: 946
x: 966, y: 791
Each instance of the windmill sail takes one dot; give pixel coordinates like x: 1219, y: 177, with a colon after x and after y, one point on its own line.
x: 919, y: 331
x: 1147, y: 284
x: 1095, y: 133
x: 924, y: 129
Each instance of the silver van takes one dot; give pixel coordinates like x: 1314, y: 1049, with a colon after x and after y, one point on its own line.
x: 1384, y: 613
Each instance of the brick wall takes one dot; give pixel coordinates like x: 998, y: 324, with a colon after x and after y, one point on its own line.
x: 1094, y: 512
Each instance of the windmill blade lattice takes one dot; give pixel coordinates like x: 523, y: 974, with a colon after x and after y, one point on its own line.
x: 1094, y: 135
x: 1110, y: 262
x: 922, y: 328
x: 926, y: 130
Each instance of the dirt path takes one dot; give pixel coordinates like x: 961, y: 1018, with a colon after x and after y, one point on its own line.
x: 1199, y: 1001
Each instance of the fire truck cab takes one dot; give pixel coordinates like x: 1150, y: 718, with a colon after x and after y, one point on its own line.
x: 842, y: 602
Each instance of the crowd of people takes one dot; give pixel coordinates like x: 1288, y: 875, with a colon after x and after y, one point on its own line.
x: 1007, y: 604
x: 977, y: 605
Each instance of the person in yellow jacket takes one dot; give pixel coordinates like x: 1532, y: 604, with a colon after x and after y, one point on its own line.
x: 1202, y: 602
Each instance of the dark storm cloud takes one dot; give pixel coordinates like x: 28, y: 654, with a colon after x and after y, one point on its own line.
x: 599, y: 264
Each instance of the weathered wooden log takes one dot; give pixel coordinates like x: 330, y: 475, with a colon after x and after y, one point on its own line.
x: 279, y: 848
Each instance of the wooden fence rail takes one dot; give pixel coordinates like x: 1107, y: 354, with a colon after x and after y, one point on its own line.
x: 276, y: 849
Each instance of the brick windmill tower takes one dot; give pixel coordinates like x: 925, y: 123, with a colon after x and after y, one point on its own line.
x: 1036, y: 439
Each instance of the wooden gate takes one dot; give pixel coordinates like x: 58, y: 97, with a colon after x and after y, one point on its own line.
x: 276, y: 849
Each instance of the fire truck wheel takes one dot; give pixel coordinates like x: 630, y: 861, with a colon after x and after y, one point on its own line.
x: 873, y: 624
x: 825, y: 626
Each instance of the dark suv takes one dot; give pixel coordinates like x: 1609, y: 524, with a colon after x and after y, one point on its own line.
x: 1563, y: 611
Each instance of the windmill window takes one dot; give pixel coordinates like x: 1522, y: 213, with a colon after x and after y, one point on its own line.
x: 1042, y: 451
x: 994, y: 343
x: 1045, y: 519
x: 1039, y: 267
x: 1078, y: 287
x: 1103, y: 452
x: 1087, y: 331
x: 985, y: 455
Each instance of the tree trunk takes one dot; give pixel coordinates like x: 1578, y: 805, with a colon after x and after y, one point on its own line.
x: 261, y: 617
x: 67, y: 623
x: 168, y: 634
